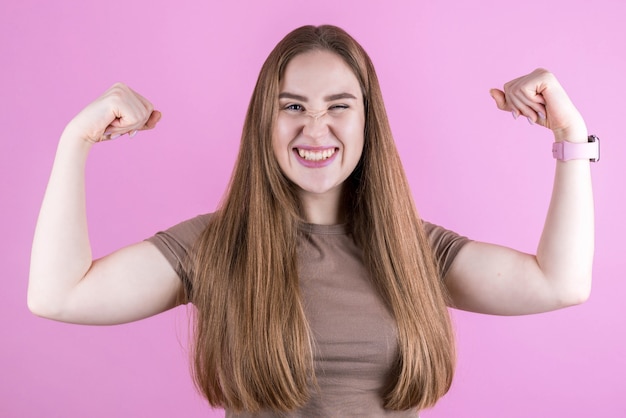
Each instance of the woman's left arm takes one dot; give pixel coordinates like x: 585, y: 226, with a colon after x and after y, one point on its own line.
x: 497, y: 280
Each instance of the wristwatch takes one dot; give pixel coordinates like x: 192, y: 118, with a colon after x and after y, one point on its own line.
x: 590, y: 150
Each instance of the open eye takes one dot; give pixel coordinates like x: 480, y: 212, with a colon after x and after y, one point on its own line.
x: 294, y: 107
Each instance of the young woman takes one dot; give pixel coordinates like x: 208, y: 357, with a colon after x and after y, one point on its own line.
x: 318, y: 290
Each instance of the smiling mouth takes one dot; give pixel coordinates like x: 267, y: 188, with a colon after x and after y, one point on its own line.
x: 316, y: 155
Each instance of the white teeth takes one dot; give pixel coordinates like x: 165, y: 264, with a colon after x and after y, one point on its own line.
x: 316, y: 155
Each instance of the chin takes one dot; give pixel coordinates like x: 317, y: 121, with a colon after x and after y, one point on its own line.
x: 319, y: 189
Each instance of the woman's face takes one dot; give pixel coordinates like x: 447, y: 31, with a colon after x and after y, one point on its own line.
x: 319, y: 134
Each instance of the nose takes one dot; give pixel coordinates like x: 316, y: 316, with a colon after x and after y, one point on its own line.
x: 315, y: 125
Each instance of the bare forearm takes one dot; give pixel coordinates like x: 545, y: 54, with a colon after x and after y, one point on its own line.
x: 565, y: 251
x: 61, y: 253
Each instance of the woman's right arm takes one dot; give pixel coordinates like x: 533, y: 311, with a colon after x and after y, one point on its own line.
x: 65, y: 283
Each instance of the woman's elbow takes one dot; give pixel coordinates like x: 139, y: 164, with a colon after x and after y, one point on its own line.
x: 43, y: 304
x: 576, y: 294
x: 39, y: 307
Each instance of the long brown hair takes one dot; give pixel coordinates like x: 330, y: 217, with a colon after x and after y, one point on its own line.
x: 253, y: 349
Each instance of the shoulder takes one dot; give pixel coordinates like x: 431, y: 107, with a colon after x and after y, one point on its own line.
x: 445, y: 245
x: 185, y: 232
x: 439, y: 236
x: 176, y: 242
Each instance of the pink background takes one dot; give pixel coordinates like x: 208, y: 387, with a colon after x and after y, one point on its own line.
x: 472, y: 168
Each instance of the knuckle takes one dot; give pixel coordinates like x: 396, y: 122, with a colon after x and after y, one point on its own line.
x: 118, y: 88
x: 116, y: 92
x: 545, y: 74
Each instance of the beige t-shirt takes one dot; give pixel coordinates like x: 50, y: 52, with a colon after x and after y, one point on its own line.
x: 354, y: 334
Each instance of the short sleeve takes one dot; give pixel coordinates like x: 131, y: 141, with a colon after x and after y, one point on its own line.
x: 176, y: 242
x: 445, y: 244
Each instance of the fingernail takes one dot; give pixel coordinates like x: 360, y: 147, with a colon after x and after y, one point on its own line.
x: 514, y: 113
x: 107, y: 136
x: 530, y: 121
x: 541, y: 115
x: 132, y: 133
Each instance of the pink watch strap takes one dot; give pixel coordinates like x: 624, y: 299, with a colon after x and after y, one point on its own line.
x: 565, y: 151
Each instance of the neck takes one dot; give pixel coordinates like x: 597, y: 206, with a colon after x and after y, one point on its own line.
x: 323, y: 209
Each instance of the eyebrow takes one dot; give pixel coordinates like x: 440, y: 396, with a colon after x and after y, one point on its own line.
x: 332, y: 97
